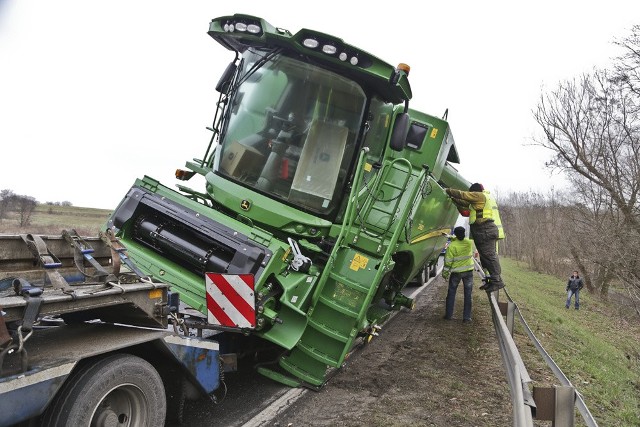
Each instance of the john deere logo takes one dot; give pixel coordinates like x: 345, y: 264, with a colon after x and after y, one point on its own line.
x: 245, y: 205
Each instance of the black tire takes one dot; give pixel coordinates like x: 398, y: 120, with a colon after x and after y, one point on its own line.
x: 423, y: 276
x: 175, y: 392
x: 433, y: 270
x: 119, y: 389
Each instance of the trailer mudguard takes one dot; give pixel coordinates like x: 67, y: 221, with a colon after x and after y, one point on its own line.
x: 25, y: 395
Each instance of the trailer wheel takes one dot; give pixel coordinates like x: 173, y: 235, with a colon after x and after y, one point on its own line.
x: 117, y: 390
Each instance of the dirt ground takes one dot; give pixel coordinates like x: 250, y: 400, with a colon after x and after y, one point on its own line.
x: 421, y: 371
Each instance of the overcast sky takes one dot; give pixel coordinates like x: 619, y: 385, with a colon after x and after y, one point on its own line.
x: 94, y: 94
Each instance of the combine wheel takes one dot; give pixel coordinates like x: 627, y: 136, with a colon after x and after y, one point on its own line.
x: 423, y: 276
x: 433, y: 270
x: 117, y: 390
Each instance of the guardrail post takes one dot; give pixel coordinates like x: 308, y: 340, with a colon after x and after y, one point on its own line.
x: 508, y: 309
x: 565, y: 403
x: 555, y: 404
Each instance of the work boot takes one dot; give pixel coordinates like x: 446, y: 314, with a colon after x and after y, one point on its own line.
x: 487, y: 280
x: 494, y: 286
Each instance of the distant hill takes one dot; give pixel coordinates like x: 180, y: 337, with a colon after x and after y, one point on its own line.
x: 50, y: 219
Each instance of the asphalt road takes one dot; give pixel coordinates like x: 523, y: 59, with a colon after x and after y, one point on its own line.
x: 248, y: 393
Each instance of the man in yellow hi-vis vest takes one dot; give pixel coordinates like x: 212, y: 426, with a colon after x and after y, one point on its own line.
x: 486, y: 229
x: 458, y: 265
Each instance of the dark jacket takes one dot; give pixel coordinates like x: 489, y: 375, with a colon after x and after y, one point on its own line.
x: 575, y: 283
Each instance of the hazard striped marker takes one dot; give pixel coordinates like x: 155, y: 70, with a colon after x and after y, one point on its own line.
x: 231, y: 300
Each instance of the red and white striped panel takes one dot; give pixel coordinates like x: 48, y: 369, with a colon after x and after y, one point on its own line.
x: 230, y: 300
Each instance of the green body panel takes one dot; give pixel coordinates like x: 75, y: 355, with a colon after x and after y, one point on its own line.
x: 297, y: 287
x: 430, y: 228
x: 264, y: 210
x: 303, y: 162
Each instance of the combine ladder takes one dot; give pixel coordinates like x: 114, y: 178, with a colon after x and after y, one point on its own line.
x: 354, y: 270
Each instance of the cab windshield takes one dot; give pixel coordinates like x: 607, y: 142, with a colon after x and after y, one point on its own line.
x: 291, y: 131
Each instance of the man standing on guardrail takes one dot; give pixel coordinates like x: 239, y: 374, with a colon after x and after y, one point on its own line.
x: 574, y: 285
x: 486, y: 229
x: 458, y: 265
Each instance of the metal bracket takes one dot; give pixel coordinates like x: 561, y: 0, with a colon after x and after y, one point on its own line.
x: 300, y: 262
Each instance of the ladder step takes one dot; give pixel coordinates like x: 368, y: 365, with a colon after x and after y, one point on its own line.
x: 304, y: 367
x: 376, y: 208
x: 392, y: 185
x: 349, y: 283
x: 277, y: 376
x: 317, y: 354
x: 338, y: 307
x: 329, y: 331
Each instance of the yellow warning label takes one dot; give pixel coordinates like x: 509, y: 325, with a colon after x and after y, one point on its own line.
x: 358, y: 262
x: 367, y: 167
x: 434, y: 132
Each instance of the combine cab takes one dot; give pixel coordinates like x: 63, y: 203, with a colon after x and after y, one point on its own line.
x: 323, y: 197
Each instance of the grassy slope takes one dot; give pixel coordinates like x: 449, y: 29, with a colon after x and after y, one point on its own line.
x: 597, y: 347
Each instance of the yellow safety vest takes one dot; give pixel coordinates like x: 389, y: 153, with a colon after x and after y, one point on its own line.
x: 489, y: 211
x: 459, y: 256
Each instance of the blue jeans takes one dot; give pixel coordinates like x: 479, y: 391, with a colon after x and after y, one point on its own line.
x: 570, y: 293
x: 467, y: 282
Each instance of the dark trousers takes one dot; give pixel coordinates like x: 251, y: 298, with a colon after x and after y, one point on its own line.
x: 467, y: 282
x: 485, y: 237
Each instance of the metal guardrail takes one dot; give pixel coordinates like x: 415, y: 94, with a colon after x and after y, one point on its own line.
x: 517, y: 374
x: 524, y: 406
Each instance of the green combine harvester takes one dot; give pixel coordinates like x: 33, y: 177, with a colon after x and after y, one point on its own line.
x: 323, y: 198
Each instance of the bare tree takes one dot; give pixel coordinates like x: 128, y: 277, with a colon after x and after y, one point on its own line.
x: 536, y: 231
x: 593, y: 228
x: 6, y: 197
x: 25, y: 206
x: 592, y: 126
x: 627, y: 66
x: 593, y: 136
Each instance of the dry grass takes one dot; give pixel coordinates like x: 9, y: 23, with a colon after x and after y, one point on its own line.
x: 51, y: 220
